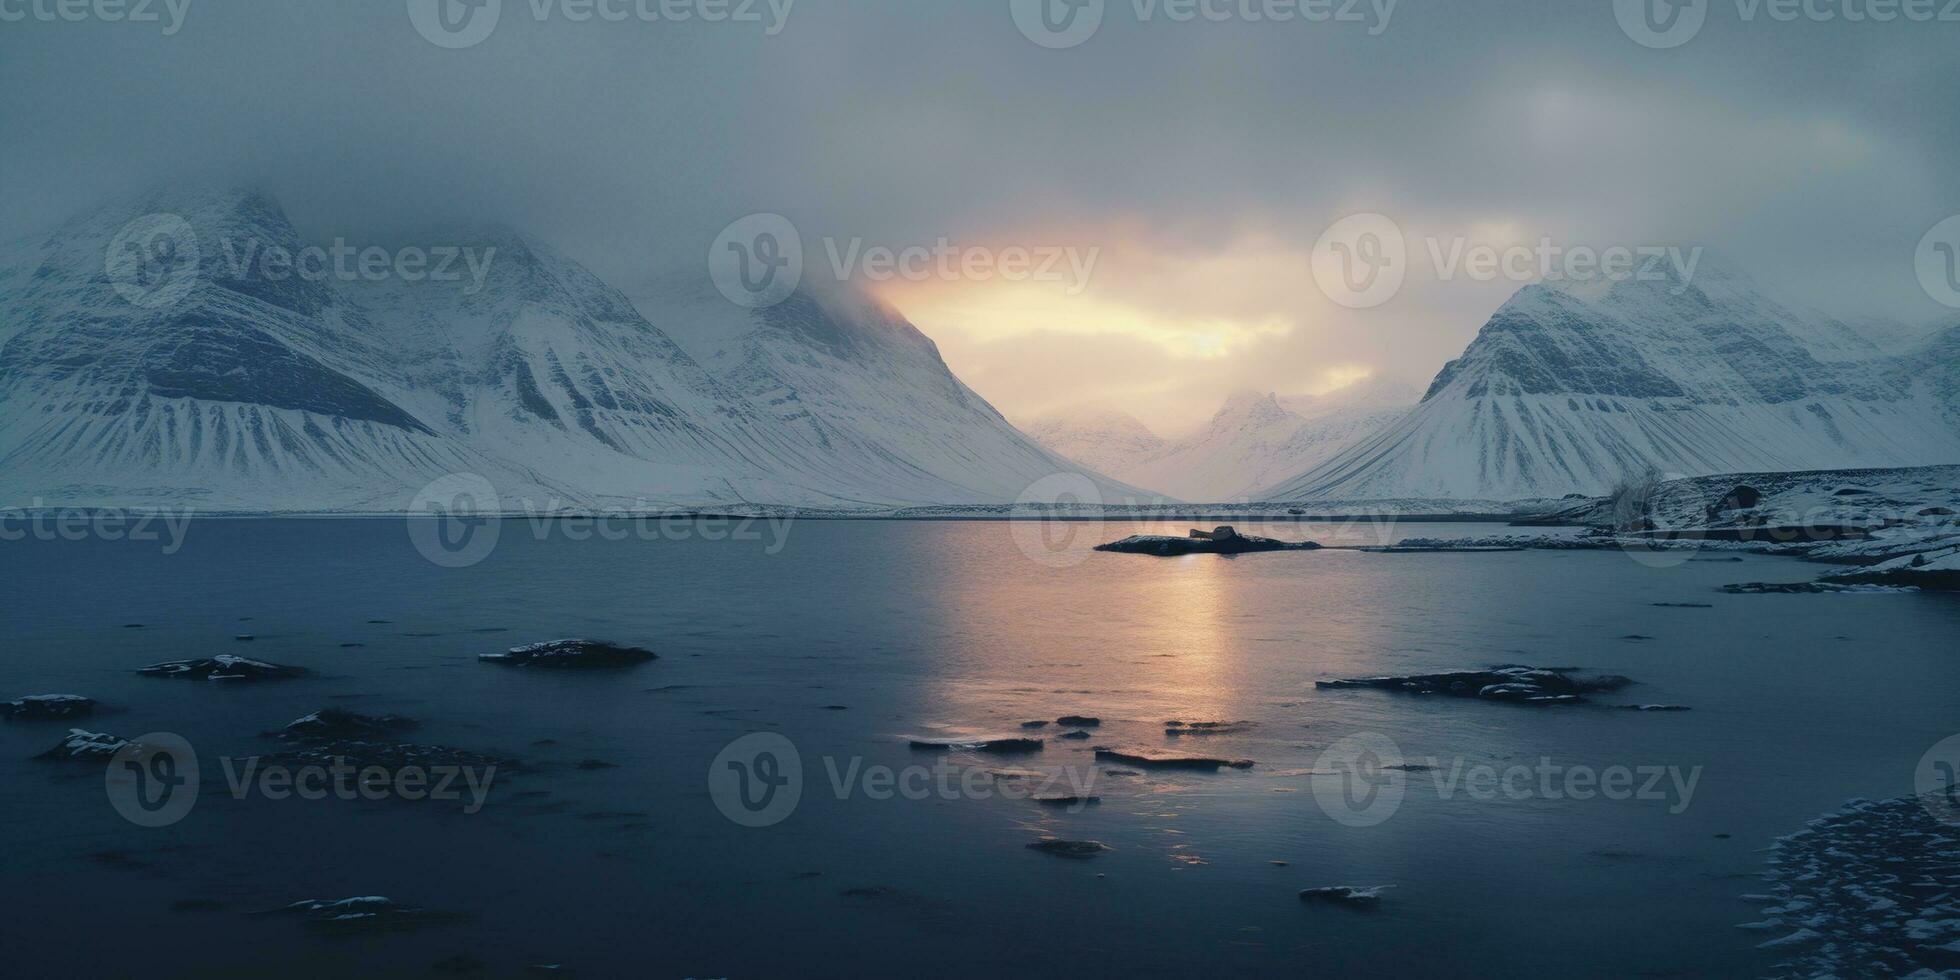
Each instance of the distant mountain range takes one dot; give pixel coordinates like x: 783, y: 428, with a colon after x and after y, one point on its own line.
x: 248, y: 390
x: 1569, y: 390
x: 1255, y: 440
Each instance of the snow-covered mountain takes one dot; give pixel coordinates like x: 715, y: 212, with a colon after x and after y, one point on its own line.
x: 1108, y: 440
x: 1567, y: 390
x: 1253, y: 441
x: 247, y: 390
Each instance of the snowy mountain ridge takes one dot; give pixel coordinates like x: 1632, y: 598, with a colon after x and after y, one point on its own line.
x: 1561, y: 393
x: 1254, y: 440
x: 239, y: 390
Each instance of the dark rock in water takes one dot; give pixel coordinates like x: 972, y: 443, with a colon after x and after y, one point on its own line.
x: 836, y: 707
x: 1076, y: 735
x: 1510, y: 682
x: 869, y: 891
x: 339, y: 723
x: 223, y: 667
x: 1066, y: 801
x: 47, y: 707
x: 85, y: 746
x: 1176, y: 729
x: 571, y: 653
x: 1078, y: 721
x: 370, y: 913
x: 1654, y: 707
x: 592, y: 765
x: 360, y: 754
x: 1683, y: 605
x: 1345, y: 895
x: 1069, y: 848
x: 997, y: 746
x: 244, y: 637
x: 1121, y: 772
x: 1145, y: 759
x: 1034, y: 724
x: 1636, y: 636
x: 1163, y: 546
x: 1731, y: 558
x: 352, y: 646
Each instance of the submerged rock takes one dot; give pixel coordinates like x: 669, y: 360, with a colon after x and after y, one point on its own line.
x: 362, y: 914
x: 1229, y: 542
x: 1069, y: 848
x: 337, y: 723
x: 571, y: 653
x: 85, y: 746
x: 1078, y: 721
x: 1146, y: 759
x: 1068, y: 801
x: 1176, y: 729
x: 1345, y: 895
x: 47, y: 707
x: 1510, y: 682
x: 1074, y: 736
x: 361, y: 753
x: 224, y: 667
x: 997, y: 746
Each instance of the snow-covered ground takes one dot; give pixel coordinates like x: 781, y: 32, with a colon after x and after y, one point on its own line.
x: 1888, y: 527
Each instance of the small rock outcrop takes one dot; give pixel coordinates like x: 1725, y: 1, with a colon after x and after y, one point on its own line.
x: 1513, y: 683
x: 47, y: 707
x: 1014, y: 745
x: 571, y: 653
x: 85, y: 746
x: 223, y: 667
x: 1348, y: 895
x: 1077, y: 849
x: 1224, y: 541
x: 1146, y: 759
x: 338, y: 723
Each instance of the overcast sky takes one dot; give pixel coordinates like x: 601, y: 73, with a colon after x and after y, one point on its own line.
x: 1202, y: 160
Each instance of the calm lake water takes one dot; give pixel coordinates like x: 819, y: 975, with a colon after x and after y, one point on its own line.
x: 1799, y: 702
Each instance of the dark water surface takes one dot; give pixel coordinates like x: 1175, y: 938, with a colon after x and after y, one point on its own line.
x: 1799, y: 702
